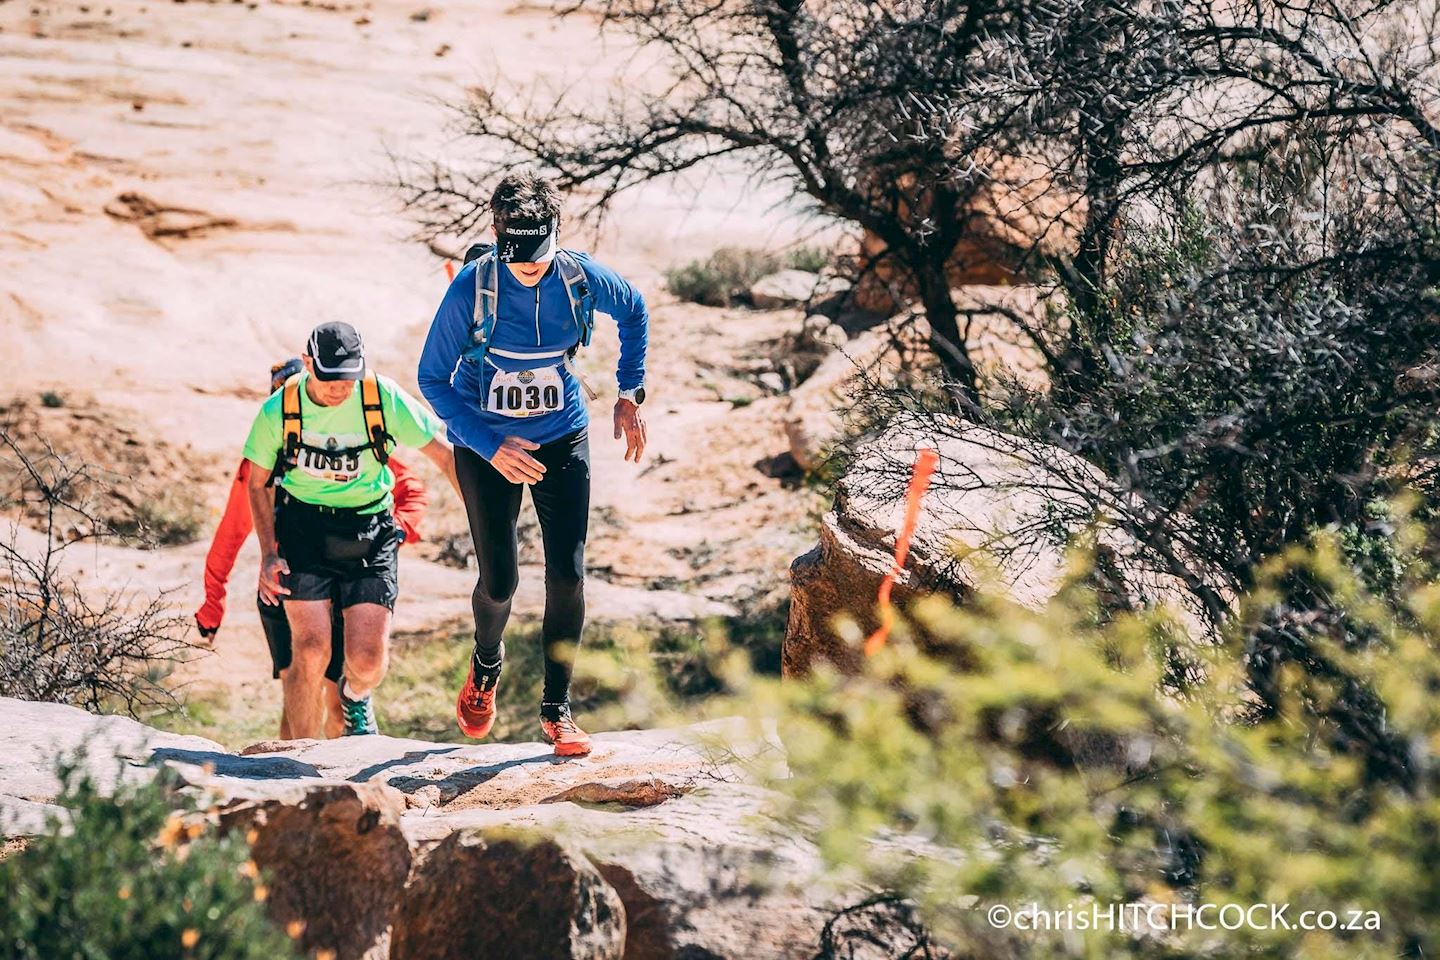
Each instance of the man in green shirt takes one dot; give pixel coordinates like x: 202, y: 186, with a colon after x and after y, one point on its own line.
x: 324, y: 524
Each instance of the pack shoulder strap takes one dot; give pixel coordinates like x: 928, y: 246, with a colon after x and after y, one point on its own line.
x: 290, y: 420
x: 377, y: 437
x: 372, y: 403
x: 577, y: 288
x: 476, y: 251
x: 487, y: 299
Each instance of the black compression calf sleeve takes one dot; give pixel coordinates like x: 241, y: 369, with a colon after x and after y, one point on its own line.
x: 488, y: 662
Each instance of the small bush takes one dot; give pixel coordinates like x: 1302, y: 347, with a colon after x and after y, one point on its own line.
x: 52, y: 399
x: 809, y: 259
x: 723, y: 279
x: 134, y: 878
x: 171, y: 518
x: 64, y: 643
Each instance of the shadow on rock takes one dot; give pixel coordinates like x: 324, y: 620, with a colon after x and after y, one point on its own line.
x: 243, y: 768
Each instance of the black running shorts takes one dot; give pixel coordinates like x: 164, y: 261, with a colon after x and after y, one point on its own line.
x: 338, y: 554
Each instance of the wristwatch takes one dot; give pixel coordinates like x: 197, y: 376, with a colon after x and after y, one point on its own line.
x: 636, y: 396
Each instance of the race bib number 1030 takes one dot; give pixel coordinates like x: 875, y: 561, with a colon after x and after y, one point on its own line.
x: 526, y: 393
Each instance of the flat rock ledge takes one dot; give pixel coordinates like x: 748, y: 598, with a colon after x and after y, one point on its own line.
x: 655, y: 846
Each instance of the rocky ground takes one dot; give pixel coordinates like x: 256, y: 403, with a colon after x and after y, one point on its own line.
x: 660, y: 844
x: 187, y: 188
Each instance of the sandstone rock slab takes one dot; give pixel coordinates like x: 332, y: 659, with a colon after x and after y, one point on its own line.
x: 36, y: 737
x: 658, y: 845
x: 988, y: 488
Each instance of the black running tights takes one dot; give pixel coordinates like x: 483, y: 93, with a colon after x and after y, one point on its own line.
x: 562, y: 502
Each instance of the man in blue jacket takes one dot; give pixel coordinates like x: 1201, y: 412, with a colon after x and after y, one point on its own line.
x: 497, y: 369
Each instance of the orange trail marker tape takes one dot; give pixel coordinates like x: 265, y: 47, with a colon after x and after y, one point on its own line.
x: 450, y: 270
x: 925, y: 462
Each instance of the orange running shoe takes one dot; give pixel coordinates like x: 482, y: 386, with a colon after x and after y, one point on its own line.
x: 569, y: 740
x: 475, y: 707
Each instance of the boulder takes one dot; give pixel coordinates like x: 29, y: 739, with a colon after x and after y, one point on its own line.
x: 493, y: 894
x: 335, y: 859
x: 792, y: 288
x: 709, y: 874
x: 987, y: 486
x: 1016, y: 212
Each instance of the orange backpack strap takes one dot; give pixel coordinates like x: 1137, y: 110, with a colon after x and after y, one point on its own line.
x: 290, y: 421
x: 375, y: 432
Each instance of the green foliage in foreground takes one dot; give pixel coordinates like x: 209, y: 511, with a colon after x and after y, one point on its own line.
x: 133, y: 878
x: 1043, y: 758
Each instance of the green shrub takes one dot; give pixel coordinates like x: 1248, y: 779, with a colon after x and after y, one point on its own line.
x: 138, y: 876
x: 170, y: 518
x: 1048, y: 758
x: 809, y: 259
x: 722, y: 279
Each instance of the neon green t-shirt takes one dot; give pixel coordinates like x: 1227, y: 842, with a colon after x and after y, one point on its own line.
x: 353, y: 480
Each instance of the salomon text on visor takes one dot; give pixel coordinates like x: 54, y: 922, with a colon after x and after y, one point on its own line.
x: 527, y: 241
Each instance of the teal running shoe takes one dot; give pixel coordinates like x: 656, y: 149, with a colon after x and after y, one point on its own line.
x: 359, y: 715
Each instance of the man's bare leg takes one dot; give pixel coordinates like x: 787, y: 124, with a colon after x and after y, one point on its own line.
x: 334, y: 719
x: 310, y: 654
x: 284, y: 717
x: 367, y: 647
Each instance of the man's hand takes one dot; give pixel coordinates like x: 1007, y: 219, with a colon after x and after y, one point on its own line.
x: 515, y: 464
x: 206, y: 633
x: 627, y: 421
x: 271, y: 568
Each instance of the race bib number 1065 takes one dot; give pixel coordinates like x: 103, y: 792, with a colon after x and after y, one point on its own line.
x: 526, y: 393
x: 330, y: 457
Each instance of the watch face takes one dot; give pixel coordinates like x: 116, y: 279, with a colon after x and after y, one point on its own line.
x: 639, y: 396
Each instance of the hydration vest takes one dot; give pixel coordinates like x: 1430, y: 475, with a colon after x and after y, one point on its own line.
x: 290, y: 420
x: 487, y: 299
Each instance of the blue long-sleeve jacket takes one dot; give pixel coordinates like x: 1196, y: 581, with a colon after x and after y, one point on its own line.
x: 528, y: 320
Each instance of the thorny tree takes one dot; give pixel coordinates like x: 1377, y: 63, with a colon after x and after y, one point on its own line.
x: 1018, y: 131
x: 840, y: 100
x: 1245, y: 341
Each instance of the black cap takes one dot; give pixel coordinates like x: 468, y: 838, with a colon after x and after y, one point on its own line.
x: 337, y: 350
x: 527, y: 241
